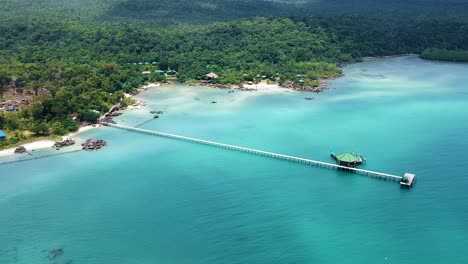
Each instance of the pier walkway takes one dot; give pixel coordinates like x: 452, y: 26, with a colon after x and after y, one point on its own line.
x: 310, y: 162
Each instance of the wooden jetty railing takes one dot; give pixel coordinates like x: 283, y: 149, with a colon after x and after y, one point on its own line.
x: 261, y: 152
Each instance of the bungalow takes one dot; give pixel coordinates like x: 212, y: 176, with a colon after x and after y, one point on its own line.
x: 160, y: 72
x: 212, y: 75
x: 146, y: 72
x: 171, y: 72
x: 209, y: 77
x: 2, y: 135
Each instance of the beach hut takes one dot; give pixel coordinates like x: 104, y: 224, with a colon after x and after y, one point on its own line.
x: 171, y: 72
x: 2, y: 135
x: 348, y: 159
x: 145, y: 72
x: 209, y: 77
x: 212, y: 75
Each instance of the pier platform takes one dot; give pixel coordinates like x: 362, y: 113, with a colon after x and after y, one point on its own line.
x: 384, y: 176
x: 407, y: 180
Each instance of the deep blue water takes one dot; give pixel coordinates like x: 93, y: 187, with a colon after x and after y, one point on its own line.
x: 146, y: 199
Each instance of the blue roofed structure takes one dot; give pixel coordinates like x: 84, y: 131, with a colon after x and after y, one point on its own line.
x: 2, y: 134
x: 12, y: 108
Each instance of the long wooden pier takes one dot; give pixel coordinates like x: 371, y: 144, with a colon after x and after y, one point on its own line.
x: 310, y: 162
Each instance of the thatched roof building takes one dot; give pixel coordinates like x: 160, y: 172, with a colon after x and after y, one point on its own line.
x: 212, y: 75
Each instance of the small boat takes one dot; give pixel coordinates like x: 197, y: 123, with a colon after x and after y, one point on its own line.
x: 156, y: 116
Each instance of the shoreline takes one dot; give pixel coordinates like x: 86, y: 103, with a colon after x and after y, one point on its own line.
x: 45, y: 143
x: 49, y: 143
x: 262, y: 86
x: 387, y: 56
x: 35, y: 145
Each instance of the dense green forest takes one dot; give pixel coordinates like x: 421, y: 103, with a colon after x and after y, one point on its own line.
x: 85, y: 64
x: 163, y: 13
x: 445, y: 55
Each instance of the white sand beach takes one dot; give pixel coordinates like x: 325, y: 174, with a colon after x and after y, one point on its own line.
x: 265, y: 87
x: 29, y: 147
x: 41, y: 144
x: 151, y: 85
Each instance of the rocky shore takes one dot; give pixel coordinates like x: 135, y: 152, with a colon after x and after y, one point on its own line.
x: 323, y: 86
x: 107, y: 119
x: 64, y: 143
x: 216, y: 85
x: 20, y: 150
x: 93, y: 144
x: 247, y: 89
x: 113, y: 112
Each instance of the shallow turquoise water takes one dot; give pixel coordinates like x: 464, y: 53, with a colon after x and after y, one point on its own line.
x: 146, y: 199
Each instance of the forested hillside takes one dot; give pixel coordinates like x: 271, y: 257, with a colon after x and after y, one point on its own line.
x: 164, y: 13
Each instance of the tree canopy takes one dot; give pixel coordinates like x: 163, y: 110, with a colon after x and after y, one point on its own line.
x: 86, y: 67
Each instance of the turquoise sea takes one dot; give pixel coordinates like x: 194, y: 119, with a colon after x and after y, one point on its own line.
x: 148, y: 200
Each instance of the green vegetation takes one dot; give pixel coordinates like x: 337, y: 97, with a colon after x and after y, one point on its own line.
x: 445, y: 55
x: 163, y: 13
x: 74, y: 93
x: 78, y: 66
